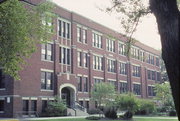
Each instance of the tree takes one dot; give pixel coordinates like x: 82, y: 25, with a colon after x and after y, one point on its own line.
x: 103, y: 93
x: 167, y: 17
x: 164, y: 96
x: 21, y: 28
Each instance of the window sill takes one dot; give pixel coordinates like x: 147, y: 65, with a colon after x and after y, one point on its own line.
x: 47, y: 61
x: 111, y: 72
x: 44, y: 90
x: 123, y: 74
x: 64, y: 37
x: 98, y: 70
x: 136, y: 77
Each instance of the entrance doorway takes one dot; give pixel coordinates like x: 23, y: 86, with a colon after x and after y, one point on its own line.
x: 65, y: 95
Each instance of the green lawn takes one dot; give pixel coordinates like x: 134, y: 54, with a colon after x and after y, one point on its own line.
x: 134, y: 119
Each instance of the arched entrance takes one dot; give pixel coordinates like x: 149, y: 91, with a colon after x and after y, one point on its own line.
x: 68, y: 93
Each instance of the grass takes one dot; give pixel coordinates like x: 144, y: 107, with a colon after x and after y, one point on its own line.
x: 134, y: 119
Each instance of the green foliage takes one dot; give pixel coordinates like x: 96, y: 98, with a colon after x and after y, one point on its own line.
x: 110, y: 112
x: 55, y: 108
x: 126, y: 102
x: 94, y: 111
x: 103, y: 93
x: 164, y: 97
x: 145, y: 107
x: 20, y: 30
x: 93, y: 118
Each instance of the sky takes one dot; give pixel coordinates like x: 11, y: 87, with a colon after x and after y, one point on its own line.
x: 146, y: 33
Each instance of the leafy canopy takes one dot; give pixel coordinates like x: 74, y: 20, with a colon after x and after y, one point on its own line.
x: 21, y: 28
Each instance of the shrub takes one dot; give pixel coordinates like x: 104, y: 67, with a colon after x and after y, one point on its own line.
x: 93, y: 118
x: 145, y: 107
x: 128, y: 115
x: 110, y: 112
x: 172, y: 113
x: 55, y: 108
x: 94, y: 111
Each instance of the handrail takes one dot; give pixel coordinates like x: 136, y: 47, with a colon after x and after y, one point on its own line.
x: 80, y: 106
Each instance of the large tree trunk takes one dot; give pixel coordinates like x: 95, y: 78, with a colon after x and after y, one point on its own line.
x: 167, y: 16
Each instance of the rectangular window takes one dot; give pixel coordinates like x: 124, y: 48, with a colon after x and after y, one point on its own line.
x: 97, y: 40
x: 84, y: 37
x: 46, y: 52
x: 123, y: 87
x: 85, y: 60
x: 96, y: 80
x: 97, y: 62
x: 64, y: 55
x: 64, y: 29
x: 44, y: 105
x: 79, y: 34
x: 79, y: 58
x: 151, y: 91
x: 86, y: 84
x: 79, y: 83
x: 110, y: 45
x: 151, y: 75
x: 137, y: 89
x: 46, y: 80
x: 122, y: 49
x: 122, y: 68
x: 150, y: 59
x: 25, y: 107
x: 157, y: 61
x: 136, y: 71
x: 113, y: 82
x: 158, y: 76
x: 33, y: 105
x: 87, y: 105
x: 111, y: 65
x: 2, y: 81
x: 2, y: 107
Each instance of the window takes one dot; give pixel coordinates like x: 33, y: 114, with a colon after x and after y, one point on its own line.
x: 97, y: 40
x: 25, y: 107
x: 151, y: 91
x: 122, y: 49
x: 46, y: 80
x: 85, y: 84
x: 150, y: 59
x: 84, y: 37
x: 79, y: 83
x: 141, y: 56
x: 64, y: 29
x: 2, y: 103
x: 96, y: 80
x: 135, y: 53
x: 85, y: 60
x: 33, y: 105
x: 157, y: 61
x: 158, y: 76
x: 136, y: 71
x: 44, y: 105
x: 97, y: 62
x: 47, y: 22
x: 111, y: 65
x: 79, y: 34
x: 2, y: 82
x: 46, y: 52
x: 123, y: 87
x: 87, y: 105
x: 122, y: 68
x: 79, y: 54
x: 110, y: 44
x: 64, y: 55
x: 151, y: 75
x: 137, y: 89
x: 113, y: 82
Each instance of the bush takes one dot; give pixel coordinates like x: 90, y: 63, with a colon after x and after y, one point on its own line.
x: 94, y: 111
x: 172, y: 113
x: 55, y: 108
x: 110, y: 112
x: 146, y: 107
x: 128, y: 115
x: 93, y: 118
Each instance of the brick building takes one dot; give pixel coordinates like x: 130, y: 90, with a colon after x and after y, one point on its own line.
x: 81, y: 53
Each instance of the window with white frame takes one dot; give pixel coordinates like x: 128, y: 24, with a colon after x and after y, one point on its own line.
x: 111, y: 65
x: 157, y: 61
x: 84, y: 35
x: 2, y: 105
x: 150, y: 59
x: 47, y: 22
x: 122, y: 68
x: 80, y: 83
x: 65, y: 56
x: 110, y: 45
x: 98, y: 80
x: 79, y: 58
x: 64, y: 28
x: 151, y: 74
x: 113, y: 82
x: 123, y: 87
x: 97, y: 40
x: 85, y: 60
x: 122, y: 49
x: 137, y: 89
x: 79, y: 34
x: 86, y: 84
x: 136, y: 71
x: 97, y: 62
x: 46, y: 80
x: 46, y: 52
x: 151, y: 91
